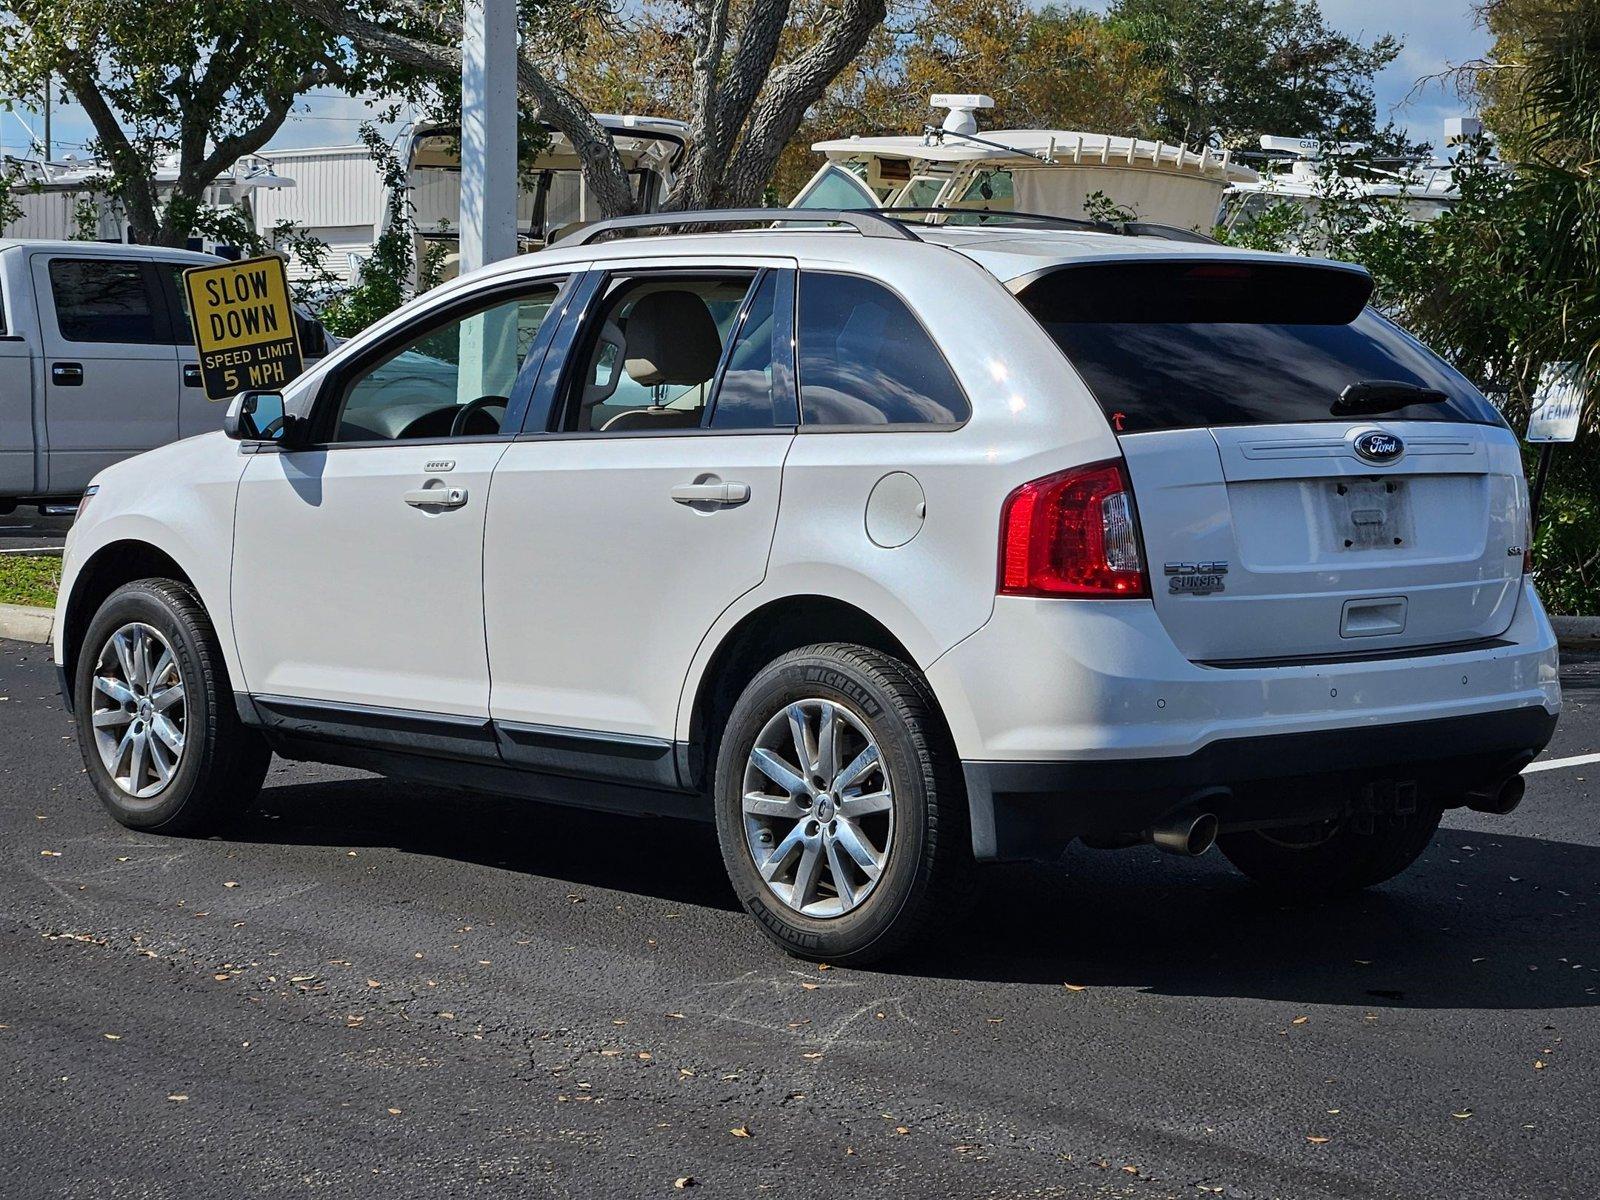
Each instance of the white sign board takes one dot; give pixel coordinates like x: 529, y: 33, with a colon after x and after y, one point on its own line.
x: 1557, y: 404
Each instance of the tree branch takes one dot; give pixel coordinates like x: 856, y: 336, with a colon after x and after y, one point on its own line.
x: 789, y: 93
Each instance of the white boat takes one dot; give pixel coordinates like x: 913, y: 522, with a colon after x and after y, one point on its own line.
x: 1050, y: 172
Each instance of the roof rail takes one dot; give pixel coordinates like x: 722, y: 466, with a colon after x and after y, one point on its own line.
x: 867, y: 222
x: 1171, y: 233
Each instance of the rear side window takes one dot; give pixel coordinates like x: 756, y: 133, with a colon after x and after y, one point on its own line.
x: 1177, y: 345
x: 103, y: 300
x: 865, y: 360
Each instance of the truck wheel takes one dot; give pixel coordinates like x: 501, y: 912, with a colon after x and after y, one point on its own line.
x: 156, y: 721
x: 1334, y: 857
x: 839, y: 805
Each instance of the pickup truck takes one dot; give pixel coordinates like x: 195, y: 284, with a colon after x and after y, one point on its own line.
x: 97, y: 362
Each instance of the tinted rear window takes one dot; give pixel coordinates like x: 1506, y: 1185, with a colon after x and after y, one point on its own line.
x: 1180, y: 345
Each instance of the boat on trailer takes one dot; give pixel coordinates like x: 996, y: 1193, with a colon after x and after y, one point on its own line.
x: 1049, y: 172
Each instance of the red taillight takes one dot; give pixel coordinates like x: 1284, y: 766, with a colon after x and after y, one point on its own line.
x: 1072, y: 534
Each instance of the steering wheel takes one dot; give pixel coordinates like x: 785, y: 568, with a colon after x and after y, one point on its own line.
x: 473, y: 408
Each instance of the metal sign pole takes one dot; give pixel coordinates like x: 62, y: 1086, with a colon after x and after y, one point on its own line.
x: 488, y: 132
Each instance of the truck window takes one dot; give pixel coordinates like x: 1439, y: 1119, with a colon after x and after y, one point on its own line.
x: 104, y: 300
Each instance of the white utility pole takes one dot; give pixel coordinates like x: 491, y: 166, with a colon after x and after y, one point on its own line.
x: 488, y: 186
x: 488, y: 132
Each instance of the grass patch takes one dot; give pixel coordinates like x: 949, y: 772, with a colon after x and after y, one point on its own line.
x: 29, y: 579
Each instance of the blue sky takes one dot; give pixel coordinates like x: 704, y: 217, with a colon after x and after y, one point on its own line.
x: 1436, y: 33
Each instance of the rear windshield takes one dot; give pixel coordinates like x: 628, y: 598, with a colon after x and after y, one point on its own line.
x: 1174, y: 345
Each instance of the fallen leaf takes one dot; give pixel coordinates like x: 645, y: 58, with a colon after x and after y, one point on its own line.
x: 1462, y: 1115
x: 740, y: 1131
x: 1299, y: 1020
x: 178, y: 1098
x: 230, y: 884
x: 51, y: 853
x: 1538, y: 1063
x: 811, y: 987
x: 394, y: 1112
x: 687, y: 1181
x: 373, y: 983
x: 117, y: 1037
x: 901, y: 1129
x: 645, y: 1056
x: 1074, y: 987
x: 1316, y: 1141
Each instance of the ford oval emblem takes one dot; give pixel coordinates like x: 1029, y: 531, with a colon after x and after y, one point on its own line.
x: 1377, y: 447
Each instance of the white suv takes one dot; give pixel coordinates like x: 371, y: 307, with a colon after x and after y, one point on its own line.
x: 890, y: 548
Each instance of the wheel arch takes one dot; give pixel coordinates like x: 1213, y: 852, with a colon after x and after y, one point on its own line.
x: 771, y: 629
x: 107, y: 569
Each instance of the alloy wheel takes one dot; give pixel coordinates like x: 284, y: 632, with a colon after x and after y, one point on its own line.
x: 138, y: 711
x: 818, y: 808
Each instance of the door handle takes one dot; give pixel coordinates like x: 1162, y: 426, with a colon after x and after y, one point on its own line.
x: 725, y: 494
x: 66, y: 374
x: 191, y: 374
x: 451, y: 497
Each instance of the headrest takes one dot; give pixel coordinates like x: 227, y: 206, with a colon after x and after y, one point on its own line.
x: 671, y: 339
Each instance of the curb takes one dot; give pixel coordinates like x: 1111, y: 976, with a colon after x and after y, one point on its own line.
x: 1577, y: 633
x: 24, y: 623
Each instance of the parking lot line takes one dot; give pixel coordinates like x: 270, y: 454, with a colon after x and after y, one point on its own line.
x: 1556, y: 764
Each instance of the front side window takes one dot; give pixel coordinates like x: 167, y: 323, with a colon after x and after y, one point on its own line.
x: 453, y: 381
x: 651, y: 357
x: 104, y: 300
x: 865, y: 360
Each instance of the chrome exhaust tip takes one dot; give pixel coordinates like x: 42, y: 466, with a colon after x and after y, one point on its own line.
x: 1187, y: 834
x: 1499, y: 801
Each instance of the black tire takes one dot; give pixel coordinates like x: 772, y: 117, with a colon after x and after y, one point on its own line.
x: 926, y: 870
x: 222, y: 763
x: 1343, y: 859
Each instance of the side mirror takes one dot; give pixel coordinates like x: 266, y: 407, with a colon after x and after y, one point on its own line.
x: 258, y: 417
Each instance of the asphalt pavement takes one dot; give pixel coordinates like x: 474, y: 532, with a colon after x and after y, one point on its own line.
x: 27, y: 531
x: 374, y: 989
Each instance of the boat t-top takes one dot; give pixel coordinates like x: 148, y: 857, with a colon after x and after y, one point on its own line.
x: 1050, y: 172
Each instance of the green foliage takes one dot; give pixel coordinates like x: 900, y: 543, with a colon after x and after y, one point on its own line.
x: 29, y: 579
x: 195, y: 83
x: 1505, y: 281
x: 384, y: 283
x: 1235, y: 69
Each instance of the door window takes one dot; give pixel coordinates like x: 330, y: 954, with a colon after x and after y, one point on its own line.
x: 752, y: 393
x: 106, y: 300
x: 866, y: 361
x: 651, y: 356
x: 455, y: 380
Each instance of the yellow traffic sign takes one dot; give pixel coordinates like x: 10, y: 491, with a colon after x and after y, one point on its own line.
x: 244, y: 325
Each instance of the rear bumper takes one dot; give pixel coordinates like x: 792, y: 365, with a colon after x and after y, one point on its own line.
x: 1034, y: 809
x: 1081, y: 717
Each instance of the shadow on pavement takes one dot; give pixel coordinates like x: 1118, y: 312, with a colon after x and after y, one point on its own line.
x: 1483, y: 921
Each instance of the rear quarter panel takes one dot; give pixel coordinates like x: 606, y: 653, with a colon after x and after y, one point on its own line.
x: 1030, y: 416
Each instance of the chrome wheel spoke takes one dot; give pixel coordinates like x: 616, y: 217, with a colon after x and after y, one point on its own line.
x: 115, y: 688
x: 782, y: 851
x: 167, y: 697
x: 828, y: 743
x: 167, y: 733
x: 865, y: 804
x: 136, y: 760
x: 805, y: 750
x: 108, y: 717
x: 807, y: 874
x: 780, y: 772
x: 858, y: 768
x: 855, y: 845
x: 160, y: 762
x: 759, y: 804
x: 123, y: 644
x: 841, y: 877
